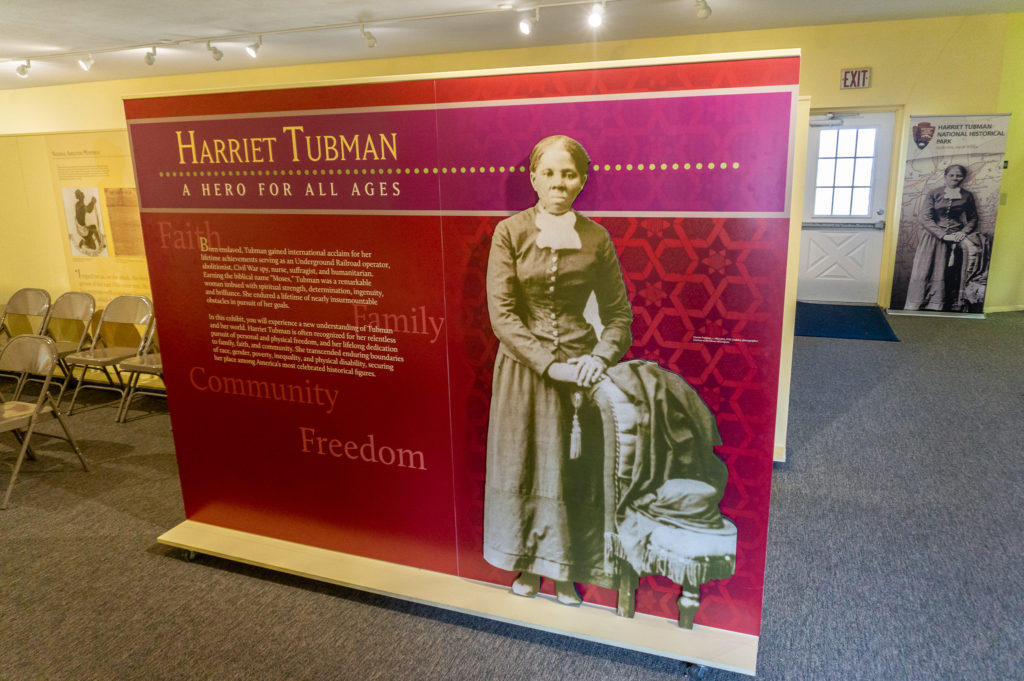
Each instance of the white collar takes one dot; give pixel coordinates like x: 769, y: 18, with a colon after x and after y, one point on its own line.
x: 557, y: 232
x: 952, y: 193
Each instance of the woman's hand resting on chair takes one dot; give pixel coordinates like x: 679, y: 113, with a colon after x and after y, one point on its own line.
x: 584, y: 371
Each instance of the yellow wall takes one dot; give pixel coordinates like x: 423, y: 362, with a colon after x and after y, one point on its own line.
x: 1006, y: 278
x: 31, y: 231
x: 951, y: 65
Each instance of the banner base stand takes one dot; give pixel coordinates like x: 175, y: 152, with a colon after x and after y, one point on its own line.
x: 654, y: 635
x: 935, y: 313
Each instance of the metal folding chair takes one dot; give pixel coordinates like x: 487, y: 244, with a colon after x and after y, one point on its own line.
x: 136, y: 367
x: 123, y: 331
x: 30, y: 355
x: 25, y: 312
x: 68, y: 324
x: 69, y: 320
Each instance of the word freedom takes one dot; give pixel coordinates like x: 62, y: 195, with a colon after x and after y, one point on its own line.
x: 368, y: 451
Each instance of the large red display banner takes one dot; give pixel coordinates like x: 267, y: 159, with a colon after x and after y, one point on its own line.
x: 319, y: 257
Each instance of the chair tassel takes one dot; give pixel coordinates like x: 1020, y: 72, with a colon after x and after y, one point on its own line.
x: 576, y: 438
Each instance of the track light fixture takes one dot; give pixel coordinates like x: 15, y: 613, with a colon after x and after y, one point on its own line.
x: 254, y: 49
x: 703, y: 9
x: 371, y: 39
x: 529, y: 19
x: 527, y: 24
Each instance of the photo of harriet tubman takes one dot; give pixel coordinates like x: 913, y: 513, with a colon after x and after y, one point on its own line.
x: 547, y: 500
x: 540, y: 516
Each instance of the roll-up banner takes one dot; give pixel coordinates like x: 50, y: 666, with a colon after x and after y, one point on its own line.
x: 521, y: 328
x: 949, y: 204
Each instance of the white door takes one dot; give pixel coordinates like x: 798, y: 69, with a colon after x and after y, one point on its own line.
x: 848, y: 157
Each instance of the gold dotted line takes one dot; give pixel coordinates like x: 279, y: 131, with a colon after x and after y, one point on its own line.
x: 629, y: 167
x: 453, y: 170
x: 331, y: 171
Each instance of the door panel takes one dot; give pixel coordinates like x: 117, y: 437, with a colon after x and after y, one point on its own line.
x: 841, y: 254
x: 840, y: 264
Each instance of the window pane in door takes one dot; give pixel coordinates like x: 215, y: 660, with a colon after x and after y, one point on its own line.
x: 862, y: 175
x: 844, y: 172
x: 827, y: 143
x: 847, y: 142
x: 841, y: 201
x: 826, y: 172
x: 860, y: 205
x: 823, y: 201
x: 866, y: 142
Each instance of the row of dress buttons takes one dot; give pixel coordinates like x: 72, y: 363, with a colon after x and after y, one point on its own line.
x: 551, y: 290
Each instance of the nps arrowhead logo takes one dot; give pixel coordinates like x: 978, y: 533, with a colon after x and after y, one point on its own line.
x: 923, y: 134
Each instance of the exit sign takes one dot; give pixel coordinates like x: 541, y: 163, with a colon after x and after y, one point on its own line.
x: 855, y: 78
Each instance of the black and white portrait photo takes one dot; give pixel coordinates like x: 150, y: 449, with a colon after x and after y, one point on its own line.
x: 950, y: 267
x: 598, y: 470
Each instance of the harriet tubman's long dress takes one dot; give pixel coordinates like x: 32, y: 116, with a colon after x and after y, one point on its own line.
x: 542, y: 509
x: 939, y: 272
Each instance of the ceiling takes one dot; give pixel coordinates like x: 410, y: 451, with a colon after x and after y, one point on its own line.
x: 54, y: 34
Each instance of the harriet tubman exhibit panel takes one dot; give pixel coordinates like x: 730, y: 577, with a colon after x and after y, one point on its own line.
x: 521, y: 328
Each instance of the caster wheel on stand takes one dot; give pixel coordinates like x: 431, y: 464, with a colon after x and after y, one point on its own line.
x: 696, y: 672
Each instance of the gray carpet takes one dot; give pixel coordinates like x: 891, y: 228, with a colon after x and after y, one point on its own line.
x: 894, y: 553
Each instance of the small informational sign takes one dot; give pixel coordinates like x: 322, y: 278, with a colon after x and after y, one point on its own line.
x: 853, y: 79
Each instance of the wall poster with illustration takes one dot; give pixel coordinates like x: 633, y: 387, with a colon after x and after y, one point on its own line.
x: 949, y: 204
x: 84, y: 222
x: 523, y: 328
x: 98, y: 213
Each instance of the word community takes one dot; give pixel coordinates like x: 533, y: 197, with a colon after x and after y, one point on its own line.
x: 307, y: 393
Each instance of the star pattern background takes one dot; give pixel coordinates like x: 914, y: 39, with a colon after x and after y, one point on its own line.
x: 707, y: 300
